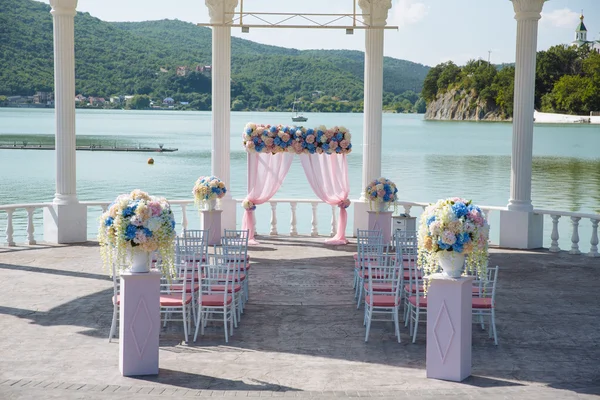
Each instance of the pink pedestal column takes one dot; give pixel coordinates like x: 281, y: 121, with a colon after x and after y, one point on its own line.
x: 139, y: 325
x: 211, y: 220
x: 381, y: 220
x: 449, y: 328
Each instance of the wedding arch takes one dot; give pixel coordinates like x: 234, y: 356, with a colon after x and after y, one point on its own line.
x: 322, y: 151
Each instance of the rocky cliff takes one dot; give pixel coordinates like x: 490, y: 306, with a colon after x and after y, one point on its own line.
x: 461, y: 105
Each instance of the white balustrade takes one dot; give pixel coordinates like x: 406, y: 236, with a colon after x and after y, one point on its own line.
x: 293, y: 227
x: 9, y: 228
x: 594, y: 240
x: 25, y: 222
x: 554, y: 236
x: 333, y: 221
x: 273, y: 231
x: 314, y: 231
x: 575, y: 236
x: 30, y: 228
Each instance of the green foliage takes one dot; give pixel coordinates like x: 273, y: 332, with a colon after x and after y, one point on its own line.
x: 141, y: 58
x: 567, y: 81
x: 139, y: 102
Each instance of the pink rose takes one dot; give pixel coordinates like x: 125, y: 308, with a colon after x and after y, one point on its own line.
x: 344, y: 144
x: 297, y: 147
x: 319, y: 150
x: 333, y: 145
x: 250, y: 145
x: 155, y: 207
x: 310, y: 139
x: 328, y: 134
x: 285, y: 137
x: 268, y: 141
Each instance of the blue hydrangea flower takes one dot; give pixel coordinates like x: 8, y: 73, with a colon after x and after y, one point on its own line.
x: 325, y: 147
x: 248, y: 131
x: 458, y: 248
x: 147, y: 232
x: 349, y: 146
x: 386, y: 197
x: 277, y: 141
x: 339, y: 137
x: 430, y: 220
x: 338, y: 149
x: 459, y: 209
x: 310, y: 131
x: 443, y: 245
x: 109, y: 221
x: 128, y: 212
x: 273, y: 129
x: 130, y: 232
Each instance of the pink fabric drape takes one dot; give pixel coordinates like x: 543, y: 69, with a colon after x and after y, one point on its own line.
x: 266, y: 173
x: 327, y: 175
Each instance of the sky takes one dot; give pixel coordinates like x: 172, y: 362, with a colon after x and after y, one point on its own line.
x: 429, y: 31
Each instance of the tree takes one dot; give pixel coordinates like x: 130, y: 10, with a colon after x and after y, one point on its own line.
x: 139, y: 102
x: 421, y: 106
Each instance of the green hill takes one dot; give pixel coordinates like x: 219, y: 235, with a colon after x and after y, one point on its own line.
x: 120, y: 58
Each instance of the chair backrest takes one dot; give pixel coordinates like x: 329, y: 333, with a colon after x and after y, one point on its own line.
x: 406, y: 243
x: 388, y: 274
x: 487, y: 284
x: 415, y: 277
x: 195, y: 244
x: 215, y: 272
x: 369, y: 236
x: 241, y: 235
x: 176, y: 285
x: 370, y: 249
x: 116, y: 277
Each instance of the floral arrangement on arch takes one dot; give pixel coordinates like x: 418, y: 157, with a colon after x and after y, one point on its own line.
x: 248, y: 205
x: 137, y: 222
x: 456, y: 225
x: 208, y: 188
x: 296, y: 139
x: 381, y: 191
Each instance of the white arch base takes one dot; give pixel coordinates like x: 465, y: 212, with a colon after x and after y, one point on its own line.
x: 361, y: 217
x: 521, y: 230
x: 228, y: 217
x: 65, y: 223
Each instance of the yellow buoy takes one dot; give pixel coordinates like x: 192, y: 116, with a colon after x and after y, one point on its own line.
x: 151, y: 160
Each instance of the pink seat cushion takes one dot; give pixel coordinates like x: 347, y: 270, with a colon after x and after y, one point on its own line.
x: 379, y: 287
x: 407, y: 275
x: 213, y: 300
x: 220, y: 288
x: 407, y: 288
x: 174, y: 300
x: 188, y: 287
x: 234, y: 258
x: 482, y: 302
x: 422, y: 301
x: 382, y: 301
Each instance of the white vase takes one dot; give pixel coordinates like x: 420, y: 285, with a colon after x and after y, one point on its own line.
x: 210, y: 205
x: 452, y: 263
x: 140, y: 261
x: 381, y: 206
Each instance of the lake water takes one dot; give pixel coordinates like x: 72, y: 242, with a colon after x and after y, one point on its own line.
x: 427, y: 160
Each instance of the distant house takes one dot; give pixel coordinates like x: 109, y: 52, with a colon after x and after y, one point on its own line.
x: 168, y: 101
x: 183, y: 71
x: 80, y: 98
x: 204, y: 69
x: 184, y: 103
x: 115, y: 100
x: 43, y: 98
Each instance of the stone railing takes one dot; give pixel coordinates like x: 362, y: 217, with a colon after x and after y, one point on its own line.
x: 27, y: 216
x: 575, y: 218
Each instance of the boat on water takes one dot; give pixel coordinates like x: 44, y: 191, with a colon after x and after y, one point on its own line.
x: 297, y: 116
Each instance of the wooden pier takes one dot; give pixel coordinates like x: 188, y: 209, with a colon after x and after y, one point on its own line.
x: 93, y: 147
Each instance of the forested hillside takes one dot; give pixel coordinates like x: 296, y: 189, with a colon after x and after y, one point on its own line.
x: 129, y: 58
x: 567, y: 81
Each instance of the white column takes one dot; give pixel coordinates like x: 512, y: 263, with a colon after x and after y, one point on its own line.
x: 519, y: 227
x: 221, y: 100
x: 527, y: 14
x: 376, y: 12
x: 66, y: 220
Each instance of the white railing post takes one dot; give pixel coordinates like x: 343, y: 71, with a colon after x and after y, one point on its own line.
x: 104, y: 207
x: 554, y: 236
x: 594, y: 240
x: 293, y: 227
x: 575, y: 236
x: 184, y: 221
x: 30, y: 228
x: 273, y: 231
x: 9, y: 228
x: 315, y: 230
x: 407, y: 209
x: 333, y: 221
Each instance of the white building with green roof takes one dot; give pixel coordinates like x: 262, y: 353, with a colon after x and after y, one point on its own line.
x: 581, y: 37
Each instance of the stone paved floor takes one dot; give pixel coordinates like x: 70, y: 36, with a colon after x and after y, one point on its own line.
x: 301, y: 335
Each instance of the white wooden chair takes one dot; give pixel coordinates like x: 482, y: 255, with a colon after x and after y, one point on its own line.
x: 484, y: 304
x: 175, y: 298
x: 382, y: 295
